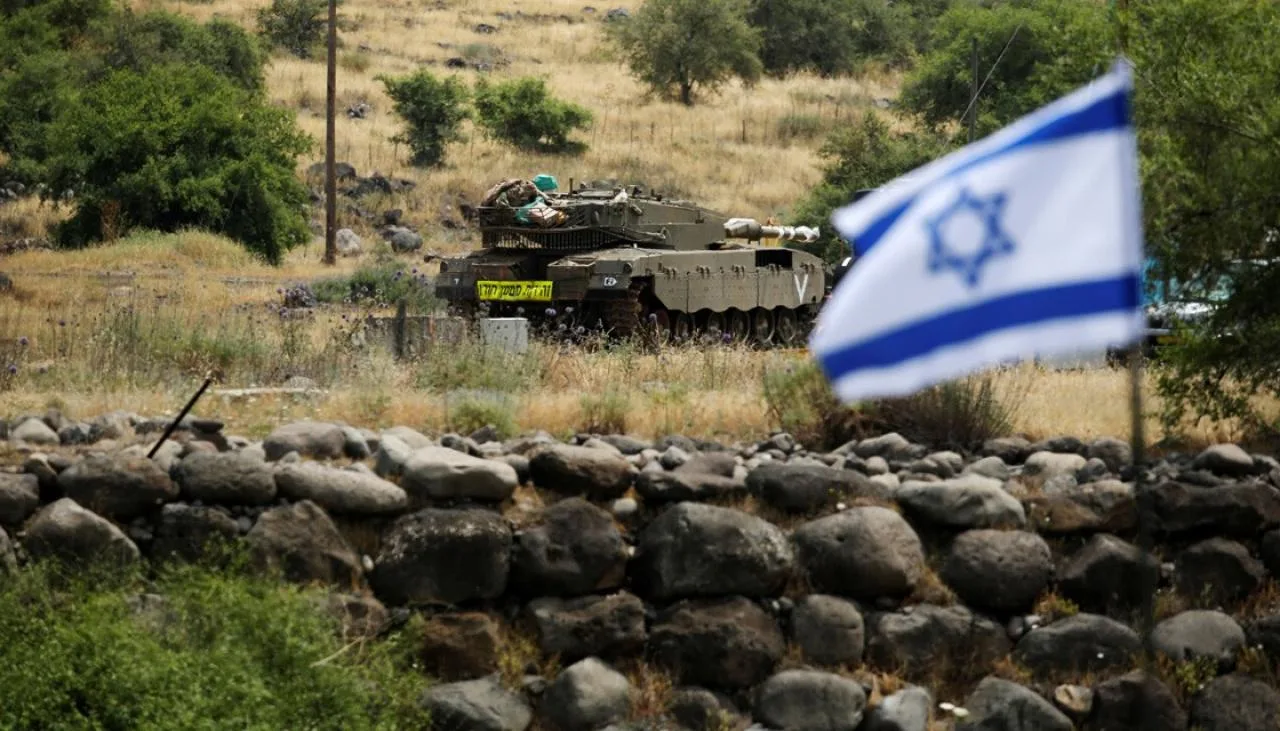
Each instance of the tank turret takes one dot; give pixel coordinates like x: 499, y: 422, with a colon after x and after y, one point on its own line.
x: 622, y: 259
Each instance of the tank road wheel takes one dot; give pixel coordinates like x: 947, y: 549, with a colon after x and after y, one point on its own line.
x: 788, y: 331
x: 681, y: 327
x: 737, y: 325
x: 761, y: 325
x: 713, y: 324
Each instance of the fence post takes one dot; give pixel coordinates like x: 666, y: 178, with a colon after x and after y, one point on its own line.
x: 399, y: 329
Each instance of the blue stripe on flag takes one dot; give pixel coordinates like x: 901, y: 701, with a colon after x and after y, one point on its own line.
x: 960, y: 326
x: 1108, y: 113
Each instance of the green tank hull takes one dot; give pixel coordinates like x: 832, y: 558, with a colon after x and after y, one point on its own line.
x: 627, y: 263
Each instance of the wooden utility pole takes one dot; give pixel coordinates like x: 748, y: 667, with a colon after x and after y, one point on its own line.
x: 973, y: 87
x: 330, y: 167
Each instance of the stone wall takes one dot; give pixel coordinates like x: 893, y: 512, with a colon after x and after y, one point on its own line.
x: 614, y: 582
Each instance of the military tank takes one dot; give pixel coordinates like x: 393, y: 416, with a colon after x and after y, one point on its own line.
x: 604, y: 257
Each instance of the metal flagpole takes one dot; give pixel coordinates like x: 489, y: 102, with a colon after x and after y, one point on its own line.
x: 1138, y: 442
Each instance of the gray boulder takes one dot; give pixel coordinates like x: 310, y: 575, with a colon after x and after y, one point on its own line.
x: 477, y: 705
x: 8, y: 561
x: 586, y: 696
x: 1219, y: 569
x: 907, y: 710
x: 862, y: 553
x: 315, y: 439
x: 34, y: 432
x: 828, y: 630
x: 697, y: 709
x: 1079, y: 643
x: 990, y: 467
x: 722, y: 644
x: 703, y: 550
x: 1001, y: 571
x: 807, y: 488
x: 1235, y: 703
x: 187, y: 532
x: 659, y: 487
x: 118, y: 486
x: 391, y: 456
x: 1199, y: 633
x: 970, y: 501
x: 19, y: 497
x: 1107, y: 574
x: 924, y: 638
x: 303, y: 544
x: 449, y: 556
x: 234, y: 478
x: 810, y: 700
x: 572, y: 470
x: 1046, y: 465
x: 1228, y: 460
x: 1135, y: 700
x: 66, y: 531
x: 1114, y: 453
x: 340, y: 491
x: 575, y: 549
x: 603, y: 626
x: 1001, y: 705
x: 1240, y: 510
x: 440, y: 473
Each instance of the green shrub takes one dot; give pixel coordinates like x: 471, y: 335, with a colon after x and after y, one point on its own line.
x: 177, y: 147
x: 605, y: 413
x: 801, y: 402
x: 218, y: 650
x: 157, y: 38
x: 468, y: 414
x: 384, y: 284
x: 831, y: 37
x: 432, y: 109
x: 522, y: 112
x: 865, y: 154
x: 298, y: 26
x: 959, y: 414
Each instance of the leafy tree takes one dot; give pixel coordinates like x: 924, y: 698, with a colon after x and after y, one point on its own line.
x: 433, y: 111
x: 830, y: 37
x: 1039, y: 52
x: 1208, y: 124
x: 523, y: 113
x: 861, y: 156
x: 155, y: 38
x: 678, y: 47
x: 298, y: 26
x: 179, y: 146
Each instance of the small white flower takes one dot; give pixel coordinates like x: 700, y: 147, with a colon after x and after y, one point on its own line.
x: 961, y: 712
x: 947, y: 706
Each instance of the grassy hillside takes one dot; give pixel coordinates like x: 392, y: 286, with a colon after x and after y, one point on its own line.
x: 745, y: 151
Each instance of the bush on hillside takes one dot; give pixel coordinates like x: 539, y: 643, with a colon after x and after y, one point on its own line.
x: 179, y: 147
x: 831, y: 37
x: 665, y: 45
x: 432, y: 109
x: 800, y: 401
x: 298, y: 26
x: 1049, y: 47
x: 382, y: 284
x: 959, y: 414
x: 141, y: 41
x: 523, y: 113
x: 866, y: 154
x: 215, y: 649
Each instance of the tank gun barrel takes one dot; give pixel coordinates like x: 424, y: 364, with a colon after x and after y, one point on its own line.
x: 752, y: 230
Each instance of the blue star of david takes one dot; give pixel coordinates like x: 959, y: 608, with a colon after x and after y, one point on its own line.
x: 995, y: 241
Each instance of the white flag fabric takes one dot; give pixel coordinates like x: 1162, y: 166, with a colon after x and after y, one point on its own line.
x: 1026, y: 243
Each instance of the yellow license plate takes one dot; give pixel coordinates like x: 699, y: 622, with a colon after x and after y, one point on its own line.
x: 514, y: 291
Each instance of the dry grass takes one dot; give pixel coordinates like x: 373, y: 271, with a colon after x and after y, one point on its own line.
x: 199, y: 304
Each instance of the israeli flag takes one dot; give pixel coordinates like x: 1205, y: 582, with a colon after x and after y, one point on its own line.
x: 1027, y: 243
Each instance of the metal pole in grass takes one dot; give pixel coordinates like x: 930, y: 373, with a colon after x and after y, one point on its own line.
x: 1137, y: 434
x: 181, y: 415
x: 330, y: 172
